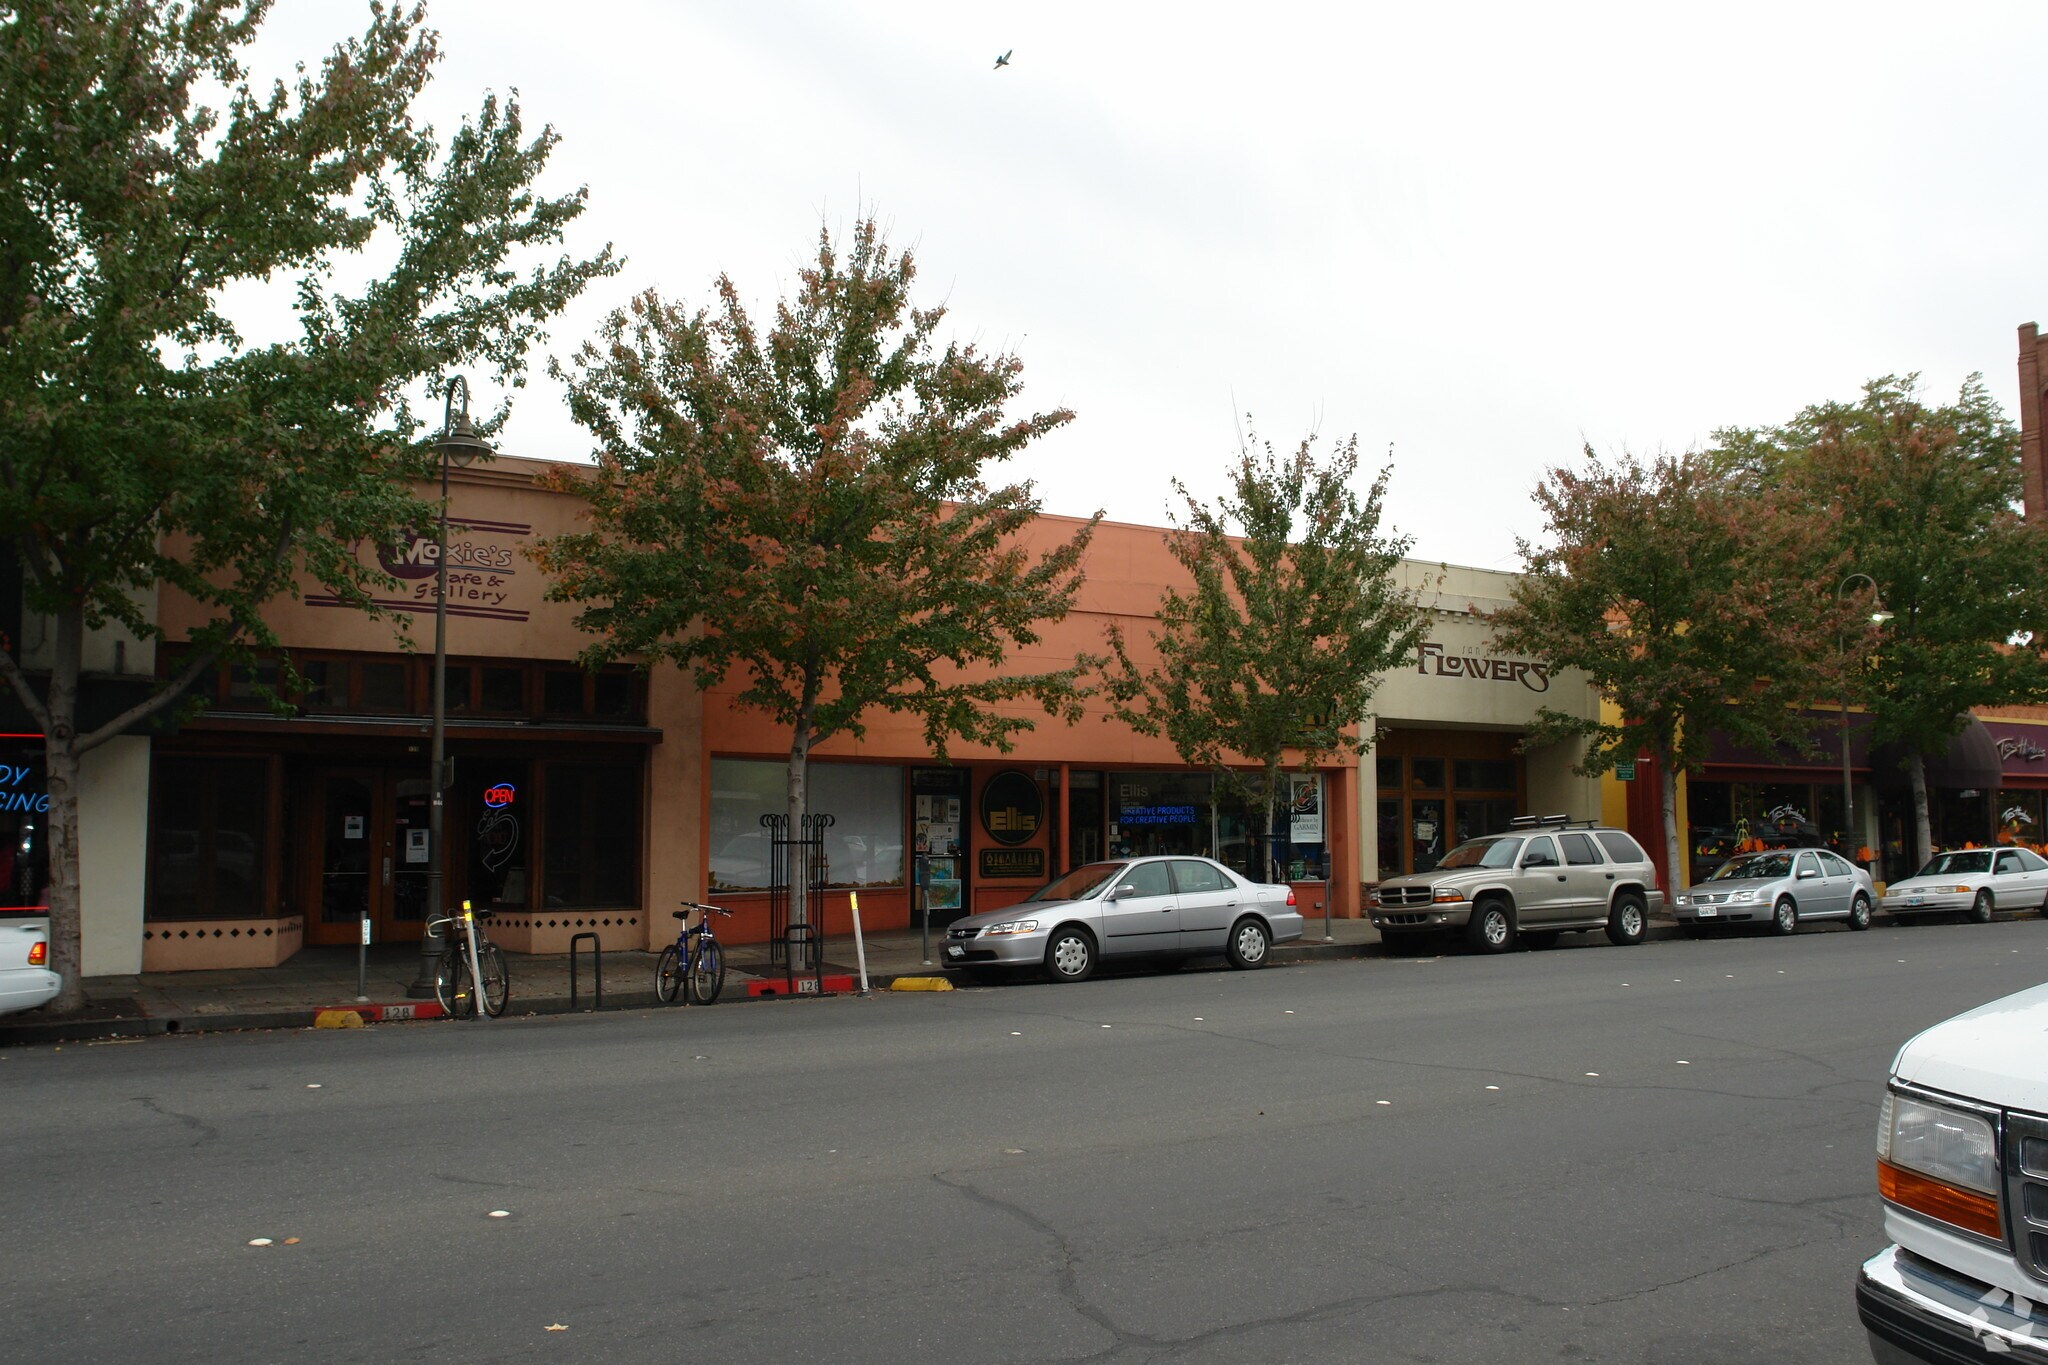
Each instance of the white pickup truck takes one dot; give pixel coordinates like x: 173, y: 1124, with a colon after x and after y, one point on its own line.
x: 1962, y: 1163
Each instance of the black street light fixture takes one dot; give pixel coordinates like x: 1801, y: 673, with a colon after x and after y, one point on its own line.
x: 1878, y: 616
x: 459, y: 444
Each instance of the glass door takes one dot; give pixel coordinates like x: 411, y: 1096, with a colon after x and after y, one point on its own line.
x: 374, y: 855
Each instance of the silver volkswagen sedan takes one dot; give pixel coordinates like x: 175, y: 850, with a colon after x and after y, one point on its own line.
x: 1779, y: 887
x: 1972, y: 881
x: 1127, y: 909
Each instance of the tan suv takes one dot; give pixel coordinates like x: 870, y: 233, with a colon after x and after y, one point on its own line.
x: 1541, y: 877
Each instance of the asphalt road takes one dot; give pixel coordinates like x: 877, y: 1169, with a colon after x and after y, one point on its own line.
x: 1660, y: 1153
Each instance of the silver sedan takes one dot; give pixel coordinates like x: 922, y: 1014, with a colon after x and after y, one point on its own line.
x: 1125, y: 909
x: 1972, y: 881
x: 1780, y: 887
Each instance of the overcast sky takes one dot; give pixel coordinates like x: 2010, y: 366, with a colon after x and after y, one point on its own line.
x: 1481, y: 235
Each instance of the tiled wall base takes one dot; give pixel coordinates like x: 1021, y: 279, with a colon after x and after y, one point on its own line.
x: 204, y: 944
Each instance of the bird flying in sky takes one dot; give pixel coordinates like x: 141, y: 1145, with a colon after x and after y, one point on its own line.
x: 1004, y: 60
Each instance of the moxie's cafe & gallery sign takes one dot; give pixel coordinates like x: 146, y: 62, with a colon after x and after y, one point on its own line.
x: 483, y: 570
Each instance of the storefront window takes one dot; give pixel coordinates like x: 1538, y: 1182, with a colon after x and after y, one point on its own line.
x: 2020, y: 817
x: 498, y: 818
x: 24, y: 825
x: 209, y: 838
x: 1722, y: 815
x: 592, y: 834
x: 1166, y: 813
x: 863, y: 846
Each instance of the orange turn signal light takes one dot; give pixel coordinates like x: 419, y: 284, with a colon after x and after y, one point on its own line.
x: 1965, y: 1209
x: 38, y: 953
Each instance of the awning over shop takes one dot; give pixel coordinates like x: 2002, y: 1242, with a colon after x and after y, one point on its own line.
x: 1971, y: 760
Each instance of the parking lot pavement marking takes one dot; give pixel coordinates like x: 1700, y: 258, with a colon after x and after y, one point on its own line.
x: 1592, y: 1073
x: 1683, y: 1062
x: 1387, y: 1102
x: 501, y: 1213
x: 1493, y: 1087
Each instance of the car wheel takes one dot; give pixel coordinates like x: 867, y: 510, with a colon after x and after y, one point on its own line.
x: 1785, y: 916
x: 1546, y: 938
x: 1859, y: 912
x: 1491, y: 928
x: 1248, y: 944
x: 1980, y: 909
x: 1070, y: 956
x: 1629, y: 921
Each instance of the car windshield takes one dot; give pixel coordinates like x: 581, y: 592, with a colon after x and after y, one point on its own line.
x: 1949, y: 864
x: 1755, y: 867
x: 1483, y: 853
x: 1080, y: 883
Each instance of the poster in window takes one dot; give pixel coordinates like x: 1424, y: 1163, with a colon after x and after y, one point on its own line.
x: 1305, y: 805
x: 943, y: 893
x: 351, y: 826
x: 416, y: 846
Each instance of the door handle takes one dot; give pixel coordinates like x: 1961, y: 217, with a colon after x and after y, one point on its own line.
x: 1560, y: 876
x: 1610, y: 876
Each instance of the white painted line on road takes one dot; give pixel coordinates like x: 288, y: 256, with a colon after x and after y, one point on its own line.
x: 1592, y: 1073
x: 1683, y: 1062
x: 259, y: 1241
x: 501, y: 1213
x: 1386, y: 1102
x: 1493, y: 1087
x: 313, y: 1085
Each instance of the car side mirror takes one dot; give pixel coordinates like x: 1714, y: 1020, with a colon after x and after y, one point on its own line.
x: 1117, y: 893
x: 1806, y: 872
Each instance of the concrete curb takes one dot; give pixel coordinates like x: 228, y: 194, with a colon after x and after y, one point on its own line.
x: 28, y: 1032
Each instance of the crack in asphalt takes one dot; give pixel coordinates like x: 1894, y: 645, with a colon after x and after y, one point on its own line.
x: 207, y: 1132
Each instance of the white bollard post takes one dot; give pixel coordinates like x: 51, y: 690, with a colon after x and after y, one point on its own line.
x: 860, y: 950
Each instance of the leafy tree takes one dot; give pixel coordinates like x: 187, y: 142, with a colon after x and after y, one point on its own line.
x: 1690, y: 607
x: 1293, y: 616
x: 142, y: 441
x: 1925, y: 500
x: 804, y: 510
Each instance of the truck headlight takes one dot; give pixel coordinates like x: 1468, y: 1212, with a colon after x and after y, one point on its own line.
x: 1015, y: 926
x: 1939, y: 1162
x: 1447, y: 895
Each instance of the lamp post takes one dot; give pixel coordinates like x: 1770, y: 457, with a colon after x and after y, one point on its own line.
x: 1878, y: 616
x: 459, y: 444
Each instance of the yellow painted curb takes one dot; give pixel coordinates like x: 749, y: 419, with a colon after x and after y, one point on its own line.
x: 337, y: 1019
x: 920, y: 983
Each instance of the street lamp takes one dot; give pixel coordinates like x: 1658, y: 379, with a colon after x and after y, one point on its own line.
x: 1878, y: 616
x: 459, y: 444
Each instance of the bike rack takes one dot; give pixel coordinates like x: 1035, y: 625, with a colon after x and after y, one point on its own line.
x: 803, y: 939
x: 596, y: 968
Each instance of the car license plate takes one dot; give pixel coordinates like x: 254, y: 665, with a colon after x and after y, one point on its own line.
x: 954, y: 951
x: 1707, y: 912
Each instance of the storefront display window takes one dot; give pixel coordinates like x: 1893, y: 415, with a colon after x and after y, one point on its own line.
x: 863, y: 845
x: 1723, y: 815
x: 2020, y: 818
x: 209, y: 839
x: 499, y: 818
x: 591, y: 831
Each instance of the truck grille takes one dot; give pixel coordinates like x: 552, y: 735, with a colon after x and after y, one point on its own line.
x: 1405, y: 895
x: 2026, y: 1188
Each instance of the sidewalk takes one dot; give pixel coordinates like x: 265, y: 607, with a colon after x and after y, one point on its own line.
x: 319, y: 980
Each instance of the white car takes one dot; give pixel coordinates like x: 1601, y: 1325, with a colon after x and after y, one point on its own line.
x: 1962, y: 1165
x: 1972, y: 881
x: 26, y: 980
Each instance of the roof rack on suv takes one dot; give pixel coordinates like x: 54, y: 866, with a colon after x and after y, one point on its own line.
x: 1548, y: 821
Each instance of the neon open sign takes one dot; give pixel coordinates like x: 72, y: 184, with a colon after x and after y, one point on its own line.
x: 500, y: 796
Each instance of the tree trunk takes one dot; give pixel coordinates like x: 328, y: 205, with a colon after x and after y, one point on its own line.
x: 1667, y: 796
x: 60, y: 748
x: 1923, y: 827
x: 799, y: 860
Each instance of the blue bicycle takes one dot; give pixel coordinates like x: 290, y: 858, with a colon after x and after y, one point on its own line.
x: 692, y: 968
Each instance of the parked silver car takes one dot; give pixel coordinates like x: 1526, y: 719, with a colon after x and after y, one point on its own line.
x: 1127, y: 908
x: 1972, y: 881
x: 1779, y: 887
